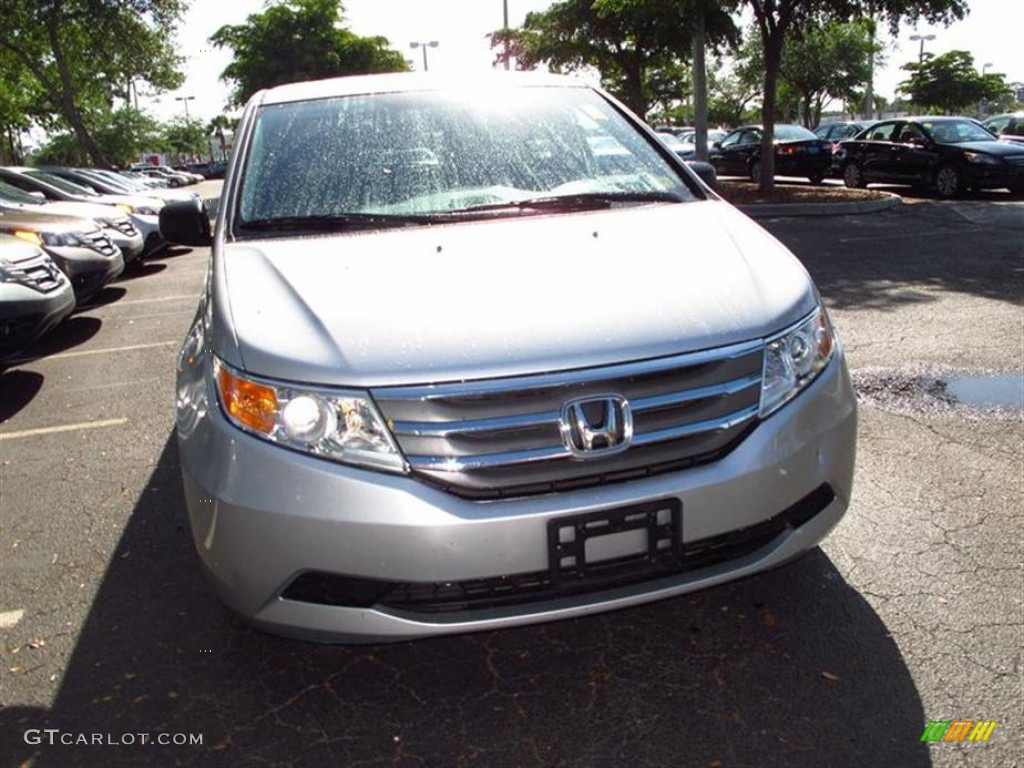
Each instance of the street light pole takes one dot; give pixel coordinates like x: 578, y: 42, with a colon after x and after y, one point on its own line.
x: 186, y: 100
x: 920, y: 51
x: 504, y: 26
x: 424, y: 46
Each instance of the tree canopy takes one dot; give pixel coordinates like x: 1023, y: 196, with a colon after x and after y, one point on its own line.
x: 77, y: 56
x: 637, y: 46
x: 779, y: 20
x: 299, y: 40
x: 829, y: 60
x: 950, y: 84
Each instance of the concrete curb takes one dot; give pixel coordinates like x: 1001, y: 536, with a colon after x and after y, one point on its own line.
x: 821, y: 209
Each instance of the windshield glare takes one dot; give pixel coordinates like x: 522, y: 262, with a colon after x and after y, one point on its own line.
x: 12, y: 194
x: 438, y: 152
x: 956, y: 131
x: 62, y: 184
x: 792, y: 132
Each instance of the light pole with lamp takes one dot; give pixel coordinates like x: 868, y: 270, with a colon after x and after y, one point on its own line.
x: 920, y: 51
x: 504, y: 26
x: 424, y: 46
x: 186, y: 100
x: 983, y: 103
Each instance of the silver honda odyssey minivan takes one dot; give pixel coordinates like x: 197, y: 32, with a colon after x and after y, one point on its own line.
x: 479, y: 353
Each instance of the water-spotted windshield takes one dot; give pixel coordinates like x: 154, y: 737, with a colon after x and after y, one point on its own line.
x: 956, y: 131
x: 416, y: 157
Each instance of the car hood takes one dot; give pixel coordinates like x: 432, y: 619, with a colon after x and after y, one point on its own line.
x: 137, y: 201
x: 504, y: 297
x: 86, y: 210
x: 38, y: 221
x: 997, y: 148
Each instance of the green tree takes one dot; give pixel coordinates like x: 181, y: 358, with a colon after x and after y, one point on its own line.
x: 950, y: 84
x: 19, y: 99
x: 81, y: 55
x: 637, y: 46
x: 779, y: 20
x: 183, y: 138
x: 827, y: 61
x: 298, y: 40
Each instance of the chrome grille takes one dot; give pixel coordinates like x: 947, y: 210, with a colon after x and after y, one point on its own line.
x: 124, y: 226
x: 100, y: 243
x: 503, y: 437
x: 37, y: 272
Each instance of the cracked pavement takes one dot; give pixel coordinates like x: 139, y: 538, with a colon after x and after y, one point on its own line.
x: 913, y: 610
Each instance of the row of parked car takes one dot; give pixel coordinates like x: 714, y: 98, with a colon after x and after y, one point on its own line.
x: 948, y: 154
x: 65, y: 233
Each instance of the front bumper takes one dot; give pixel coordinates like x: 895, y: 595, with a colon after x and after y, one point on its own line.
x: 979, y: 176
x: 130, y: 245
x: 261, y: 516
x: 88, y: 270
x: 26, y: 314
x: 149, y: 227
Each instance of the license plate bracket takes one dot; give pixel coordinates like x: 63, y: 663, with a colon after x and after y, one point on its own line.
x: 660, y: 520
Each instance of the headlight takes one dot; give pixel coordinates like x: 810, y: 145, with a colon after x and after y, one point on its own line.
x: 28, y: 237
x: 341, y: 426
x: 124, y: 207
x: 980, y: 158
x: 794, y: 358
x: 190, y: 384
x: 60, y: 238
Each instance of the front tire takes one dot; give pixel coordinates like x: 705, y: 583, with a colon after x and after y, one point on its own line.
x: 755, y: 172
x: 816, y: 178
x: 853, y: 177
x: 948, y: 182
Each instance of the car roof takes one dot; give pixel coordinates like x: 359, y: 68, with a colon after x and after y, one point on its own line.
x: 408, y: 81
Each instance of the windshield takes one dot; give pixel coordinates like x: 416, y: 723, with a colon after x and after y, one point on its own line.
x: 792, y: 133
x: 11, y: 194
x: 444, y: 153
x: 955, y: 131
x: 61, y: 184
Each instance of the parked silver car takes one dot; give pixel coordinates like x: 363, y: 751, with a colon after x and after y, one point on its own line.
x: 114, y: 223
x: 82, y: 251
x: 452, y: 372
x: 34, y: 295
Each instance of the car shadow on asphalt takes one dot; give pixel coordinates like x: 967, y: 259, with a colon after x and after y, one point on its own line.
x: 72, y: 332
x: 17, y: 389
x: 790, y: 668
x: 903, y: 256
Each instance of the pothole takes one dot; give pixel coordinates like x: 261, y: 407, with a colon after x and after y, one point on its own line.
x: 939, y: 390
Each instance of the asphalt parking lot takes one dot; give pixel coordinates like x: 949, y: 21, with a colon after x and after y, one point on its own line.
x: 912, y: 611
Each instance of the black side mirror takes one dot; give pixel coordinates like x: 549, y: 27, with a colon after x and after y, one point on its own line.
x: 186, y: 222
x: 706, y: 172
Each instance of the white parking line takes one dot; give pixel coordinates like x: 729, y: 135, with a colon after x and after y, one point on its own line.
x: 9, y: 619
x: 62, y: 428
x: 129, y: 348
x: 119, y: 303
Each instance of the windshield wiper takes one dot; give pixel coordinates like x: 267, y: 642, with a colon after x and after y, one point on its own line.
x: 336, y: 221
x: 581, y: 201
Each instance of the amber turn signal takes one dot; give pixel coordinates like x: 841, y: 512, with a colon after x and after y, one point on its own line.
x: 251, y: 404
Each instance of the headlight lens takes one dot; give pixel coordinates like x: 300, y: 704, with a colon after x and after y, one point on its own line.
x: 341, y: 426
x: 29, y: 237
x: 190, y: 382
x: 981, y: 158
x: 794, y: 358
x: 125, y: 207
x: 60, y: 238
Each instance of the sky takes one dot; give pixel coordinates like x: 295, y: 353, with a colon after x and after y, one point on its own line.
x: 991, y: 32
